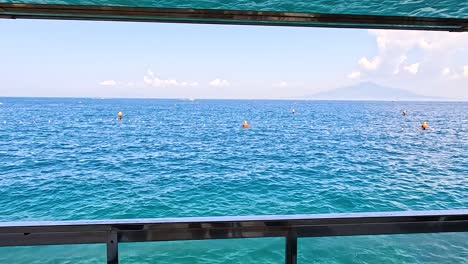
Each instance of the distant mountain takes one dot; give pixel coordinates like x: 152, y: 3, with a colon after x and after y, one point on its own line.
x: 372, y: 92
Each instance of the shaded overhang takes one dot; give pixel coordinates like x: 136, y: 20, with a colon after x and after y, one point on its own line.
x: 441, y: 15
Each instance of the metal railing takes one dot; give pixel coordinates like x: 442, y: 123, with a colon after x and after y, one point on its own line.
x: 233, y: 17
x: 291, y: 227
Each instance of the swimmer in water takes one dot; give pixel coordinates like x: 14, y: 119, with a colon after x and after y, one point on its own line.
x: 293, y: 111
x: 404, y: 113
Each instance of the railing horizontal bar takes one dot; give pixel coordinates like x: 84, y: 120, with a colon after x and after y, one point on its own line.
x: 201, y: 234
x: 199, y: 228
x: 57, y: 238
x: 326, y: 218
x: 217, y: 16
x: 238, y: 22
x: 382, y: 229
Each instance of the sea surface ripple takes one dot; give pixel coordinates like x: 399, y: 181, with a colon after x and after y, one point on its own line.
x: 66, y: 159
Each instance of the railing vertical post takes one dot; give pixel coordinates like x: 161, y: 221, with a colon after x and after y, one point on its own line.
x: 291, y: 248
x: 112, y: 248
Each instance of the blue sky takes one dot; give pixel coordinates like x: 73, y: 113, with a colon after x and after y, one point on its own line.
x: 116, y: 59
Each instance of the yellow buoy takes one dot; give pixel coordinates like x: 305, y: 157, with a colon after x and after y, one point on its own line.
x: 120, y: 115
x: 424, y: 125
x: 245, y: 124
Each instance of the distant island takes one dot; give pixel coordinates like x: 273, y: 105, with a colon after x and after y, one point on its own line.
x: 372, y: 92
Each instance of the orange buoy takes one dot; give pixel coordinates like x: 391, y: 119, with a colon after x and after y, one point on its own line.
x: 424, y: 125
x: 245, y: 124
x: 120, y: 115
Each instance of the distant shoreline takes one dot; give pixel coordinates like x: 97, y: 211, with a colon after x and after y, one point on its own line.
x: 233, y: 99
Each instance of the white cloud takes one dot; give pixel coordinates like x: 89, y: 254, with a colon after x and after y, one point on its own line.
x: 412, y: 68
x: 408, y: 39
x: 354, y: 75
x: 431, y: 49
x: 189, y: 83
x: 449, y: 74
x: 369, y: 65
x: 398, y: 65
x: 281, y: 84
x: 445, y: 71
x: 108, y: 83
x: 465, y: 71
x: 219, y: 83
x: 424, y: 44
x: 154, y: 81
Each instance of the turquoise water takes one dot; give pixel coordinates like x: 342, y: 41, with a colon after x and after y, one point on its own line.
x: 63, y: 159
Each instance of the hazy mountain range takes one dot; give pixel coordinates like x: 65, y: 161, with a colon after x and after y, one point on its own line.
x: 373, y: 92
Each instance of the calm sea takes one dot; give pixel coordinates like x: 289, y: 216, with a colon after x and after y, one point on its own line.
x: 63, y: 159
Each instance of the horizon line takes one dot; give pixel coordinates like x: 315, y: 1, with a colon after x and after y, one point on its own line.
x: 260, y: 99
